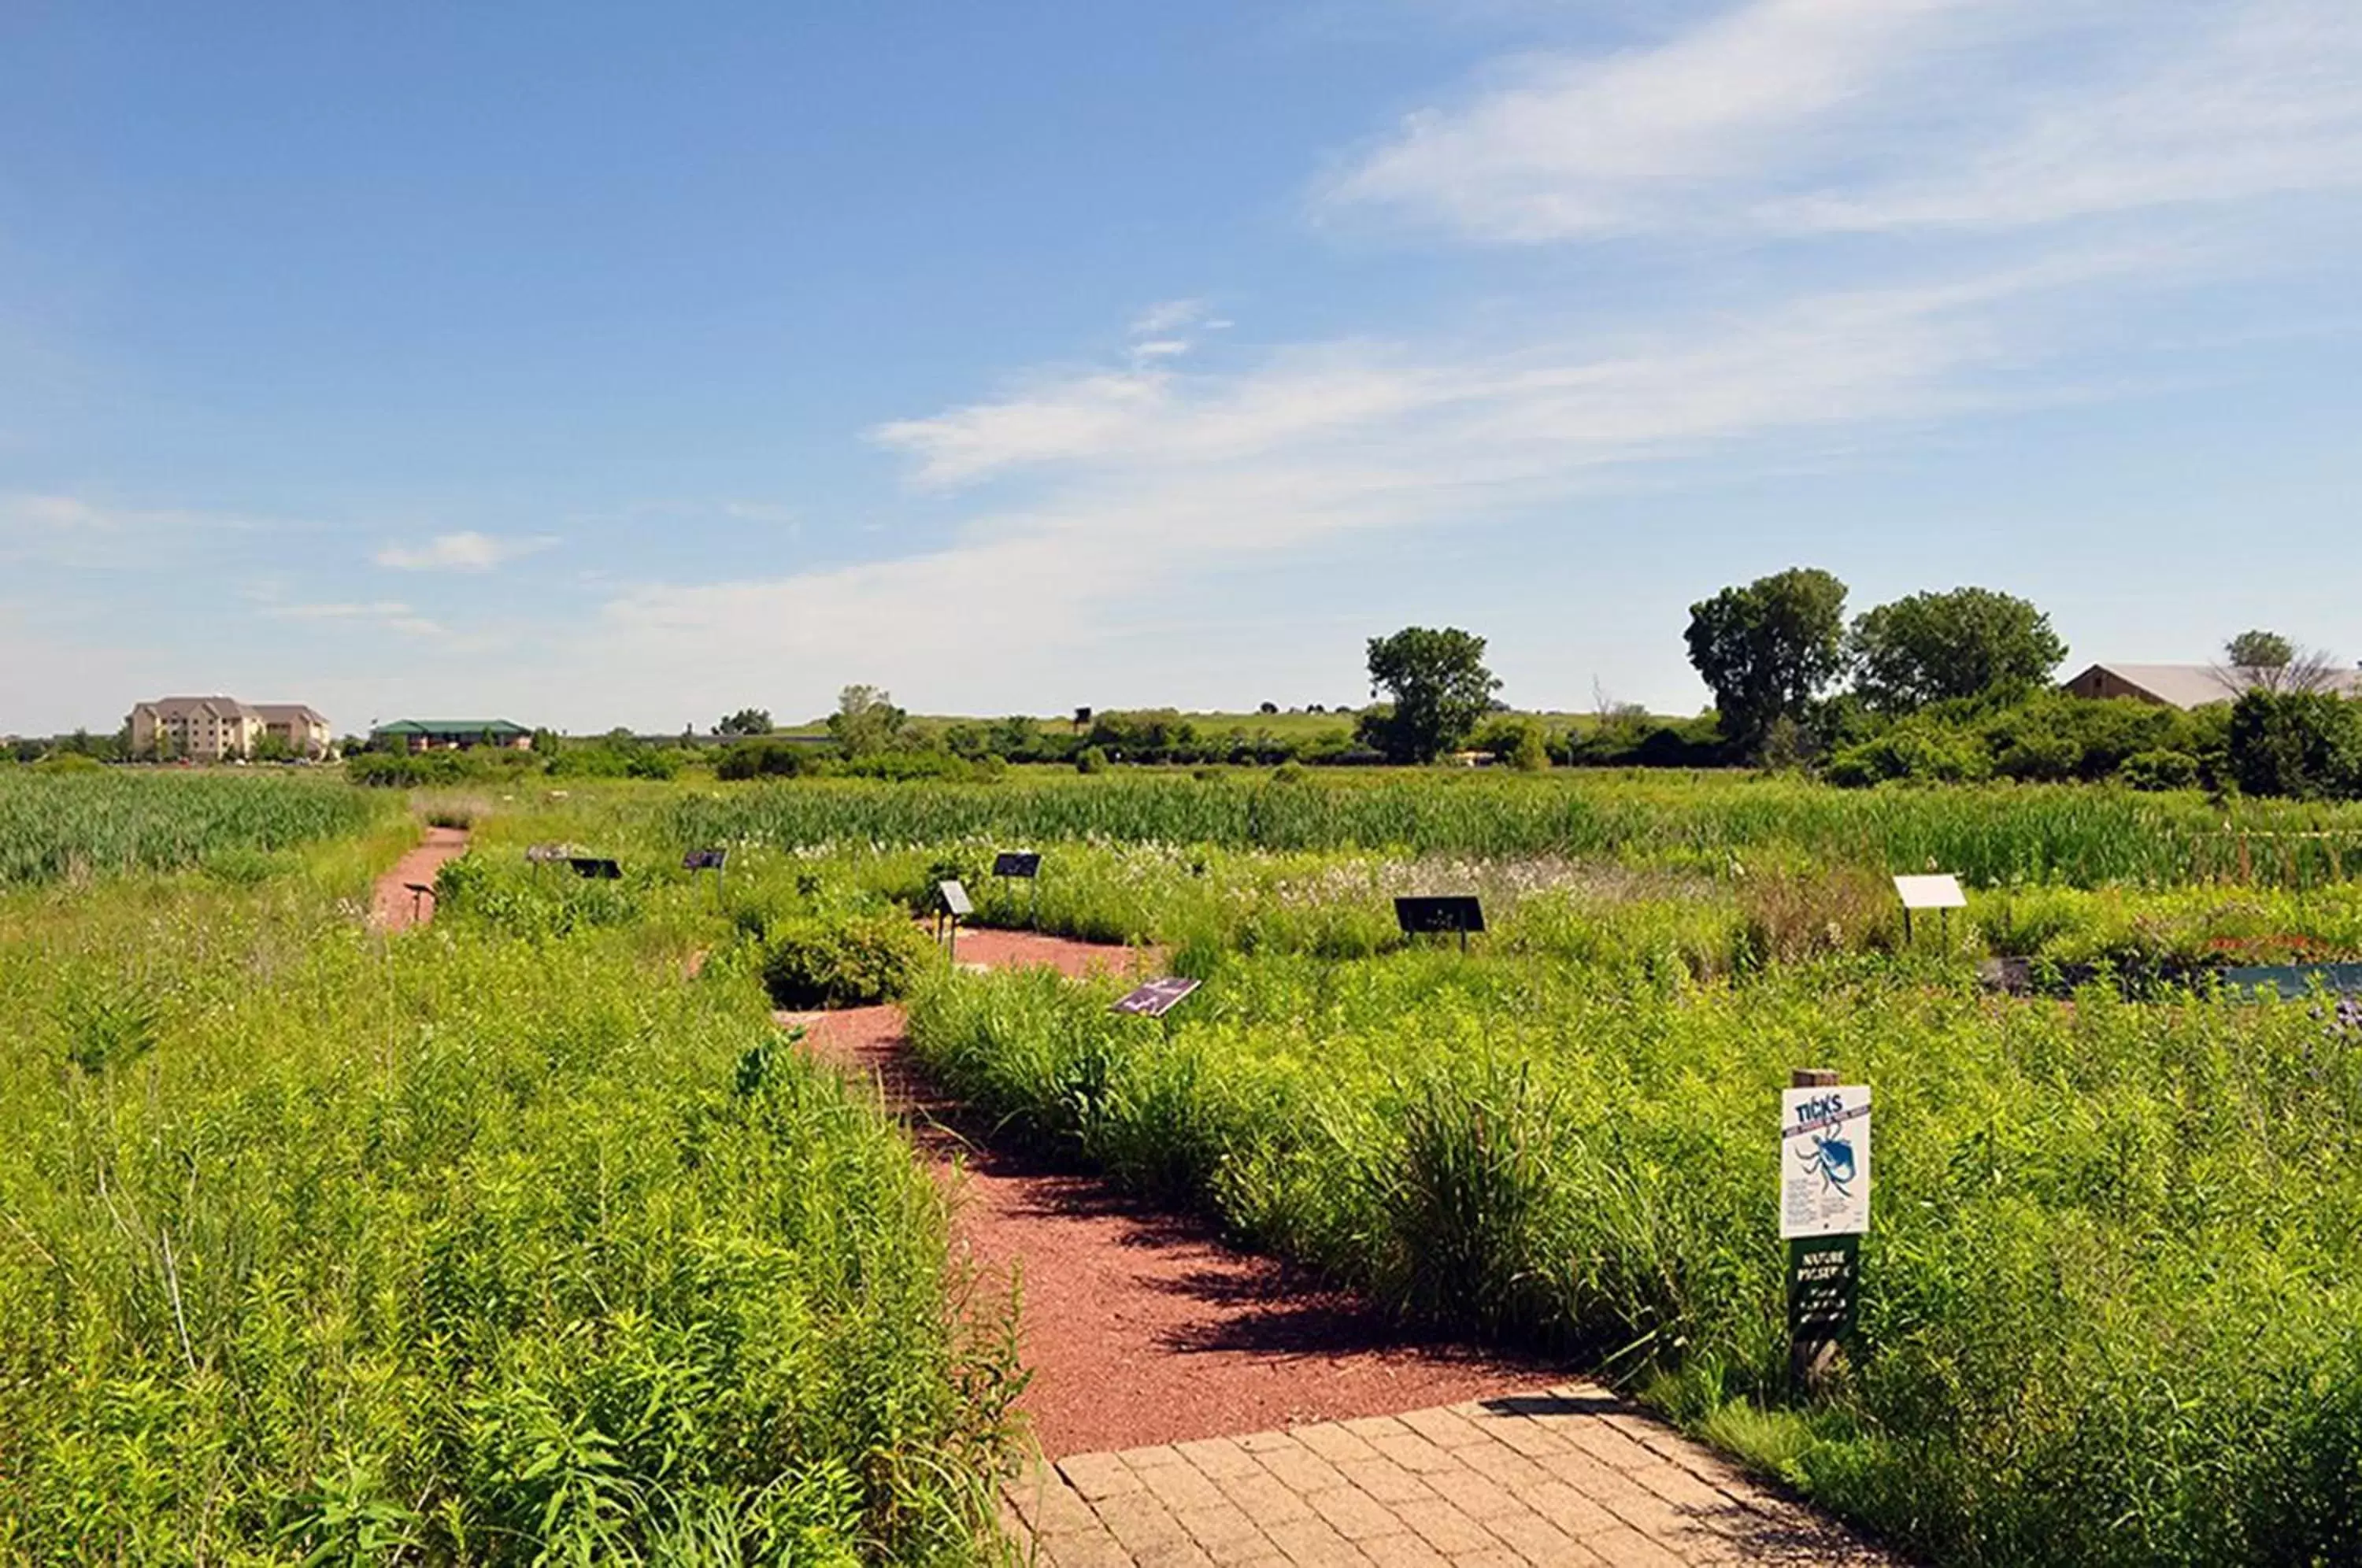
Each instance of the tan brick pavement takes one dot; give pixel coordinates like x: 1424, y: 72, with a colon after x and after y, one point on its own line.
x: 1566, y: 1475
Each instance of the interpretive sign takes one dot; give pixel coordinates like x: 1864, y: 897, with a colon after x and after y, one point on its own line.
x: 704, y: 859
x: 1824, y: 1276
x: 1017, y: 863
x: 1825, y: 1161
x: 1931, y: 892
x: 1438, y: 916
x: 1156, y: 998
x: 955, y: 899
x: 596, y: 868
x: 545, y: 854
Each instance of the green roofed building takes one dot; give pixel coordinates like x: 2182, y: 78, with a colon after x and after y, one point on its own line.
x: 450, y: 735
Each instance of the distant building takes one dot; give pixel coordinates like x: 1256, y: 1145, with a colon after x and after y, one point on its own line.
x: 2184, y: 685
x: 301, y: 731
x: 206, y: 729
x: 452, y: 735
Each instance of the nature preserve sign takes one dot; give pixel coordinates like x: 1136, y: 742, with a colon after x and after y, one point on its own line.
x: 1824, y: 1211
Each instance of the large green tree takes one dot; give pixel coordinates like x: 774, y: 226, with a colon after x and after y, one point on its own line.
x: 1930, y: 648
x: 1439, y: 688
x: 746, y: 721
x: 867, y: 722
x: 1767, y: 649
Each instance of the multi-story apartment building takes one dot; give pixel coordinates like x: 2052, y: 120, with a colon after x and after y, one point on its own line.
x: 295, y: 726
x: 207, y: 729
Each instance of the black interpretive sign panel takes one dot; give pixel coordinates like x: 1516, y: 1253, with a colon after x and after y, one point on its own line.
x: 597, y: 868
x: 1824, y: 1277
x: 1156, y: 998
x: 1438, y: 916
x: 704, y: 859
x: 1016, y: 862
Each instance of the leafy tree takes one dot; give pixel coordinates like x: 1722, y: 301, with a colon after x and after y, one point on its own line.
x: 2265, y: 661
x: 746, y: 721
x: 1440, y: 691
x: 1268, y: 708
x: 1145, y: 734
x: 1016, y: 736
x: 1517, y: 741
x: 1935, y: 648
x: 1767, y: 649
x: 867, y: 722
x: 2259, y: 650
x: 2304, y: 743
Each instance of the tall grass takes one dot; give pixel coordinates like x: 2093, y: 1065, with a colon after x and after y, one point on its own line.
x: 120, y: 821
x: 2113, y: 1308
x: 455, y: 1247
x: 1993, y: 836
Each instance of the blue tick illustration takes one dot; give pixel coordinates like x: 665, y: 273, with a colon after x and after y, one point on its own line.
x: 1832, y: 1156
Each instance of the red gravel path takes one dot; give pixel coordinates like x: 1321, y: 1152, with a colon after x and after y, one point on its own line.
x: 394, y: 902
x: 1141, y: 1327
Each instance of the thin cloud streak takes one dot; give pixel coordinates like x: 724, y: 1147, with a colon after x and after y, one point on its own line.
x: 1810, y: 116
x: 467, y: 551
x: 1152, y: 480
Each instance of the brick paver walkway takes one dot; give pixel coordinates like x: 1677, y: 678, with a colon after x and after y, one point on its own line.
x: 1567, y: 1475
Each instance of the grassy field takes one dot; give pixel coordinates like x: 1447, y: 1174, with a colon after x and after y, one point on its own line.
x: 1992, y: 837
x: 112, y: 821
x: 459, y: 1252
x: 459, y: 1247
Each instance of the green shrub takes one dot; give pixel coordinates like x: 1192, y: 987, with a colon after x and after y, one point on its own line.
x: 771, y: 759
x: 909, y: 767
x: 844, y: 960
x: 2159, y: 770
x: 1090, y: 759
x: 2307, y: 744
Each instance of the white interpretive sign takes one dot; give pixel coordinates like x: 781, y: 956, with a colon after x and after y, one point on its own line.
x: 1825, y: 1161
x: 1931, y: 892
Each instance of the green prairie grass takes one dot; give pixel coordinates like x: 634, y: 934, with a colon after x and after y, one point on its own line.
x: 1993, y: 836
x: 115, y: 822
x: 2114, y: 1282
x: 463, y: 1246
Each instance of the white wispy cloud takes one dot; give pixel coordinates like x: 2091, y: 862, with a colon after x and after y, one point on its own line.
x: 465, y: 551
x: 1053, y: 419
x: 1169, y: 316
x: 1800, y: 116
x: 1148, y: 480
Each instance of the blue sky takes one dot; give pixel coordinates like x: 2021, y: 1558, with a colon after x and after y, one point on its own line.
x: 592, y: 365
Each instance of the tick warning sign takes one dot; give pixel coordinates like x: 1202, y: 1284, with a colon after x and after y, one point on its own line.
x: 1825, y: 1161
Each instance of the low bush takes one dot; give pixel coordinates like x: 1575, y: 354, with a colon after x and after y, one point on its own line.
x: 844, y: 960
x: 771, y: 759
x: 2159, y: 770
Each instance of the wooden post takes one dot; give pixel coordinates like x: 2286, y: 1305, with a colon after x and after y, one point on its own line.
x: 1810, y: 1362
